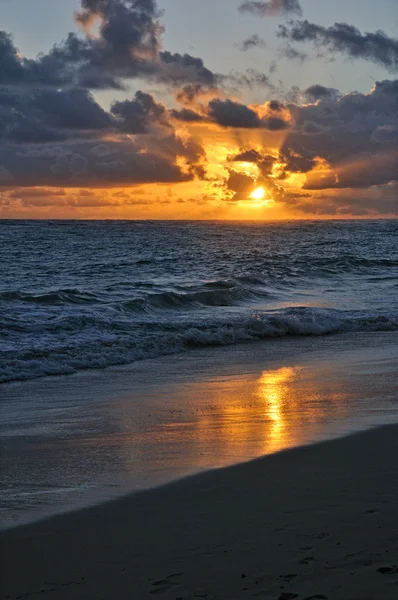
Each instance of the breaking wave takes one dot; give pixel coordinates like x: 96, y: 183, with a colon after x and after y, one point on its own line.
x: 77, y: 295
x: 95, y: 343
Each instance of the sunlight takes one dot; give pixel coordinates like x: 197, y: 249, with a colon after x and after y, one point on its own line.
x: 258, y: 194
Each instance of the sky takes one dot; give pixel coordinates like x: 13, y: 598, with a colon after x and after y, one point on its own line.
x: 198, y: 109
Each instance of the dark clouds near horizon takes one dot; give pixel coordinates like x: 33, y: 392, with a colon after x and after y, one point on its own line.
x: 356, y: 135
x: 53, y: 131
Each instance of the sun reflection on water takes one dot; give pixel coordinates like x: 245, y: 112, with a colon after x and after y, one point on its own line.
x: 228, y: 419
x: 272, y: 390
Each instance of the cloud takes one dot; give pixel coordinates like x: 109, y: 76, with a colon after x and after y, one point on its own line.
x: 228, y: 113
x: 121, y: 41
x: 39, y: 115
x: 254, y: 41
x: 233, y: 114
x: 54, y: 134
x: 77, y: 164
x: 126, y: 45
x: 242, y: 185
x: 251, y: 156
x: 271, y: 8
x: 39, y: 197
x: 365, y: 171
x: 64, y: 138
x: 343, y: 148
x: 187, y: 115
x: 375, y: 201
x: 319, y: 92
x: 177, y: 69
x: 355, y: 134
x: 140, y: 114
x: 376, y: 47
x: 251, y: 78
x: 264, y: 162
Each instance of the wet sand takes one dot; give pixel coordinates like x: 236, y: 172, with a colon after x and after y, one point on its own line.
x: 318, y: 521
x: 315, y: 522
x: 69, y: 442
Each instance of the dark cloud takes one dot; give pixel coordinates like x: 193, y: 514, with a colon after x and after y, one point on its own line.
x: 252, y: 156
x: 243, y: 185
x: 180, y: 69
x: 292, y: 162
x: 254, y: 41
x: 355, y: 134
x: 372, y: 202
x: 187, y: 115
x: 275, y: 105
x: 239, y: 183
x: 296, y: 163
x: 265, y: 162
x: 376, y: 47
x: 365, y: 171
x: 140, y: 114
x: 126, y: 45
x: 346, y: 146
x: 73, y: 198
x: 79, y: 165
x: 271, y: 7
x: 54, y: 133
x: 145, y: 146
x: 319, y: 92
x: 36, y: 115
x: 189, y: 93
x: 233, y: 114
x: 228, y: 113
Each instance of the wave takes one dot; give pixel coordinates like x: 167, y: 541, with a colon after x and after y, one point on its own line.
x: 99, y: 344
x: 222, y: 295
x: 352, y: 260
x: 63, y: 296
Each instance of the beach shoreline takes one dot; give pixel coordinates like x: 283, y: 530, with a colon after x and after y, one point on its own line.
x: 315, y: 521
x: 85, y: 439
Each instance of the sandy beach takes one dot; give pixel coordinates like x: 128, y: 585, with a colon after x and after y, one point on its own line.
x: 315, y: 522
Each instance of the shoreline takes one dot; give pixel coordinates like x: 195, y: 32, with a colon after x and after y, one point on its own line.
x: 318, y: 520
x: 85, y: 439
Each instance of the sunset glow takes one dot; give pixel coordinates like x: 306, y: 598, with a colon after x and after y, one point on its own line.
x: 258, y: 194
x: 121, y: 126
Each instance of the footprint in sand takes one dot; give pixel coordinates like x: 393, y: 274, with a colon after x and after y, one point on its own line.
x: 388, y: 570
x: 289, y: 577
x: 161, y: 586
x: 306, y: 560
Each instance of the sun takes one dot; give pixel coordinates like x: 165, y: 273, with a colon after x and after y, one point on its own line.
x: 258, y: 194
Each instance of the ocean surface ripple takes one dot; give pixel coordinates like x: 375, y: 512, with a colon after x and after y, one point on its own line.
x: 79, y: 295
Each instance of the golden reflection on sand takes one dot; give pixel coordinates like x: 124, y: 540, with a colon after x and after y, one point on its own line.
x: 274, y: 391
x: 215, y: 422
x: 280, y: 409
x: 296, y: 400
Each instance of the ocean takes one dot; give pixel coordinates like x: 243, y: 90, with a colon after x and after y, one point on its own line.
x: 136, y: 353
x: 88, y: 295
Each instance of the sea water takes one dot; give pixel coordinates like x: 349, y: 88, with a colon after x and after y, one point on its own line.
x: 87, y: 295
